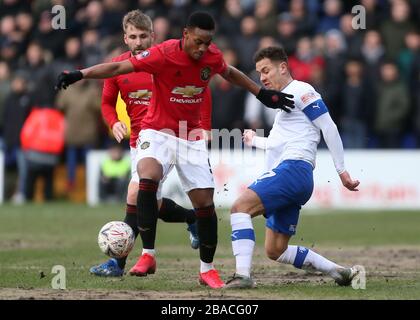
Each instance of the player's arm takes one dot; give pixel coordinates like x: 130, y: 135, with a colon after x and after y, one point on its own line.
x: 238, y: 78
x: 270, y: 98
x: 109, y: 100
x: 99, y: 71
x: 320, y: 117
x: 150, y: 61
x: 107, y: 70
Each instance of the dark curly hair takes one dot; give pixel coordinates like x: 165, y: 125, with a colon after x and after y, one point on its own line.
x: 202, y: 20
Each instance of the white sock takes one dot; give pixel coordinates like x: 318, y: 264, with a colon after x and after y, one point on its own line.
x: 152, y: 252
x: 204, y: 266
x: 243, y: 242
x: 303, y: 258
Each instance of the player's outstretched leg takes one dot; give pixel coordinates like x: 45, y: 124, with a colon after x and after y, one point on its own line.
x: 243, y: 243
x: 172, y: 212
x: 207, y: 232
x: 147, y: 219
x: 245, y: 207
x: 304, y: 258
x: 115, y: 267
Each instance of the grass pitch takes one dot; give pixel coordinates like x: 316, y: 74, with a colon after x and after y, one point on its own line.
x: 34, y: 238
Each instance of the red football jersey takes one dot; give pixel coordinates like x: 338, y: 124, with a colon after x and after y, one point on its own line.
x: 136, y: 92
x: 179, y: 85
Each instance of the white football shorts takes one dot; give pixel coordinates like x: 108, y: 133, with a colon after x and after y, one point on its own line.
x: 190, y: 158
x: 134, y: 175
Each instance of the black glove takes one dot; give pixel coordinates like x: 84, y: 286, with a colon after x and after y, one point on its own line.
x: 67, y: 78
x: 275, y: 99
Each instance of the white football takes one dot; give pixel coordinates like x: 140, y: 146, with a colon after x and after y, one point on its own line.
x: 116, y: 239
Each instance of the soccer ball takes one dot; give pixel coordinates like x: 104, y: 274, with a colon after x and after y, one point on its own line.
x: 116, y: 239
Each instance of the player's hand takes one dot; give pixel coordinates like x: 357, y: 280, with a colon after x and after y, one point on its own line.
x: 119, y: 130
x: 276, y: 100
x: 347, y: 181
x: 248, y: 136
x: 67, y: 78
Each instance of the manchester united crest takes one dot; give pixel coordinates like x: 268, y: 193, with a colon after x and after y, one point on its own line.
x: 205, y: 73
x: 145, y: 145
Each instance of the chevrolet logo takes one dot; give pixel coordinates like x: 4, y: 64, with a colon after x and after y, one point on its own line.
x: 140, y: 94
x: 188, y: 91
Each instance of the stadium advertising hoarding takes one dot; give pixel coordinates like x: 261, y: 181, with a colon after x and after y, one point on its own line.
x: 389, y: 179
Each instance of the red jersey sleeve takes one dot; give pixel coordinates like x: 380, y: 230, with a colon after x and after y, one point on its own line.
x: 151, y: 61
x: 221, y: 65
x: 206, y: 108
x: 109, y: 100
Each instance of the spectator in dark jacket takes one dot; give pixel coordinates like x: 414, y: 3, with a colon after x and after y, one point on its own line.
x: 266, y: 17
x: 393, y: 107
x: 335, y: 59
x: 304, y: 20
x: 331, y: 18
x: 394, y: 29
x: 50, y: 39
x: 228, y: 100
x: 41, y: 82
x: 230, y: 19
x: 357, y: 103
x: 286, y: 30
x: 17, y: 106
x: 247, y: 43
x: 4, y: 91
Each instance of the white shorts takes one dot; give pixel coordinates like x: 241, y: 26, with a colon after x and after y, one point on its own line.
x: 135, y: 176
x: 190, y: 158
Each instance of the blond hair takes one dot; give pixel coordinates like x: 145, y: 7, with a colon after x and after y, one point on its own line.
x: 138, y: 19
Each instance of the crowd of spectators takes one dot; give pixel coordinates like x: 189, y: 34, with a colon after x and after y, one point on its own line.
x: 369, y: 76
